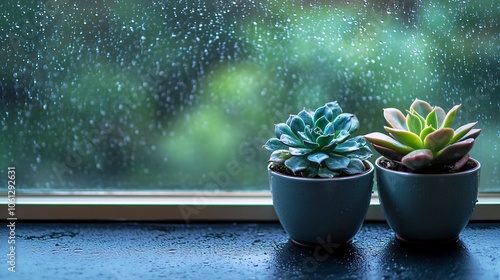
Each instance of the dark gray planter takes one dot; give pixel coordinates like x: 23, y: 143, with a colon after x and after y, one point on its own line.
x: 427, y: 208
x: 322, y: 211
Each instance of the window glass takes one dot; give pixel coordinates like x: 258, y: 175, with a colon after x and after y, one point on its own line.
x: 181, y: 95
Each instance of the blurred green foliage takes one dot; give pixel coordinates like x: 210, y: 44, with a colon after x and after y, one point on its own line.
x: 182, y: 95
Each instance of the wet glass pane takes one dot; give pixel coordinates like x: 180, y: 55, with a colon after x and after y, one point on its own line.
x: 181, y: 95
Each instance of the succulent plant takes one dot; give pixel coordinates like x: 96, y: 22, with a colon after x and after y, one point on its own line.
x: 319, y: 144
x: 424, y: 138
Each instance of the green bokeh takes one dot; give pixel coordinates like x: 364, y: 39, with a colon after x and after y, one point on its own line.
x: 182, y: 95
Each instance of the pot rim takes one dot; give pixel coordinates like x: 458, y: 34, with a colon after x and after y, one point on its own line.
x: 475, y: 169
x: 364, y: 173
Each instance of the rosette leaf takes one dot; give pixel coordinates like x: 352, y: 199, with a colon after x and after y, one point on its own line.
x: 424, y: 137
x: 319, y: 143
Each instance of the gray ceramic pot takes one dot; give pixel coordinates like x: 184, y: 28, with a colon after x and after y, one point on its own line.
x: 426, y: 208
x: 319, y: 211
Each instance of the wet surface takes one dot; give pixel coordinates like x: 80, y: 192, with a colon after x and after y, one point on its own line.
x: 239, y: 251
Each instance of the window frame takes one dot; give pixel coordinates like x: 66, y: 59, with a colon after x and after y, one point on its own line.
x: 173, y: 206
x: 195, y: 206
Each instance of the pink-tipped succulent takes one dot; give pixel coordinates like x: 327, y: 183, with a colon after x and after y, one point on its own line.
x: 424, y: 137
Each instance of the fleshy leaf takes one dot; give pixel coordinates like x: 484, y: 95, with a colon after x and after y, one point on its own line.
x: 329, y: 129
x: 440, y: 115
x: 307, y: 140
x: 395, y: 118
x: 330, y: 147
x: 316, y: 133
x: 431, y: 119
x: 282, y: 128
x: 418, y: 159
x: 388, y: 153
x: 335, y: 107
x: 354, y: 124
x: 291, y: 141
x: 414, y: 123
x: 297, y: 125
x: 426, y: 131
x: 311, y: 171
x: 462, y: 131
x: 306, y: 117
x: 279, y: 156
x: 362, y: 154
x: 355, y: 166
x: 420, y: 117
x: 297, y: 164
x: 317, y: 157
x: 325, y: 172
x: 438, y: 139
x: 310, y: 145
x: 309, y: 134
x: 321, y: 124
x: 274, y: 144
x: 336, y: 162
x: 304, y: 136
x: 323, y: 111
x: 450, y: 116
x: 347, y: 147
x: 454, y: 152
x: 406, y: 137
x: 299, y: 151
x: 421, y: 107
x: 346, y: 121
x: 342, y: 136
x: 324, y: 140
x: 388, y: 142
x: 473, y: 133
x: 461, y: 162
x: 359, y: 139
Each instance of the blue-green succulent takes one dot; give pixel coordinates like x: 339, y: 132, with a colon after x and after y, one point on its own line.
x: 424, y: 137
x: 319, y: 144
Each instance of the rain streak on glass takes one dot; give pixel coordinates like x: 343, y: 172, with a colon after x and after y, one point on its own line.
x: 181, y: 95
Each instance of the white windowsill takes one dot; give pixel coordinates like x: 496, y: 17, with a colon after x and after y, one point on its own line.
x: 181, y: 207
